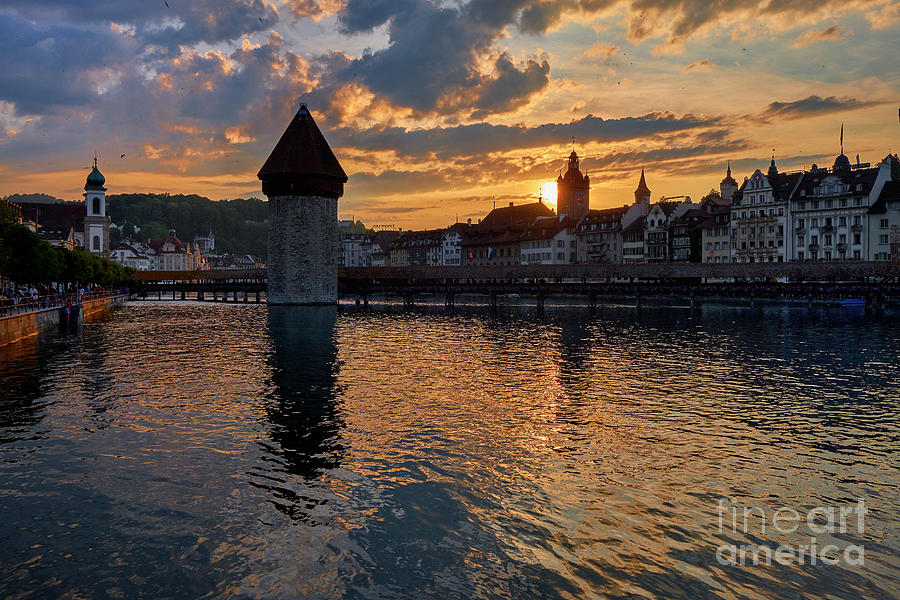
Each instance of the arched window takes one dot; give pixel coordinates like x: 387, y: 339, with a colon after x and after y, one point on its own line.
x: 97, y: 243
x: 96, y: 206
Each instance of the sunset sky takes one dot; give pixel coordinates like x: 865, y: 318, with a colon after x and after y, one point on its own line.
x: 438, y: 109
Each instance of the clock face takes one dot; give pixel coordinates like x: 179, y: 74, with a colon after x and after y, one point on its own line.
x: 579, y: 197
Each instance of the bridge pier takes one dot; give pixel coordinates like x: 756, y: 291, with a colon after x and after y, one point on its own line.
x: 409, y: 300
x: 540, y: 302
x: 183, y: 294
x: 448, y: 300
x: 257, y: 297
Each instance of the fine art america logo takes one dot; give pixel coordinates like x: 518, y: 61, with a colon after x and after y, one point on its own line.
x: 819, y: 521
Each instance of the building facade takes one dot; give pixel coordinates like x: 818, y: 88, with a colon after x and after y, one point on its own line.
x: 830, y: 212
x: 598, y: 236
x: 760, y: 216
x: 549, y: 241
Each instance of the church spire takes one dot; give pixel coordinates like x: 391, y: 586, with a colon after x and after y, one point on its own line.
x: 642, y: 192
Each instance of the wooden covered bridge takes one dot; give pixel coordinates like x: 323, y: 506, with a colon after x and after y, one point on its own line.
x: 876, y: 282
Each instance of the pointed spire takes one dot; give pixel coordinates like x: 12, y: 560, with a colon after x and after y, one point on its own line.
x: 842, y: 138
x: 729, y: 169
x: 642, y: 192
x: 302, y: 162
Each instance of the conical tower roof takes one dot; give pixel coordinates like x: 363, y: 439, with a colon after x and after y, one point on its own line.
x: 302, y: 162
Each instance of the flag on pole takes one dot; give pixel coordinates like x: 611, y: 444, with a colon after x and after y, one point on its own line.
x: 842, y: 138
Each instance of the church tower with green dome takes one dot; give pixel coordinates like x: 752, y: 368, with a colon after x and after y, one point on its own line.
x: 96, y: 222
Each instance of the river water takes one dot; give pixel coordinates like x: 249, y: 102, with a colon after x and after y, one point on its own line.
x: 185, y: 450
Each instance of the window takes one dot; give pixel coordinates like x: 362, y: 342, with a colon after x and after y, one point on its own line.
x: 96, y: 241
x: 842, y: 221
x: 96, y: 208
x: 856, y: 239
x: 882, y: 239
x: 883, y: 224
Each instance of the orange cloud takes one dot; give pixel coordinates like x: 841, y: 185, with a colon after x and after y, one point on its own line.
x: 698, y: 64
x: 829, y: 34
x: 604, y: 53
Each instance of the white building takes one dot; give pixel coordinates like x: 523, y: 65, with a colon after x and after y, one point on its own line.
x: 884, y: 223
x: 760, y: 216
x: 548, y: 241
x: 830, y: 213
x: 451, y: 245
x: 130, y: 256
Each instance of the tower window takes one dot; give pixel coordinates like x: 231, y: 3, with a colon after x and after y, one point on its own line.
x: 96, y: 210
x: 97, y: 241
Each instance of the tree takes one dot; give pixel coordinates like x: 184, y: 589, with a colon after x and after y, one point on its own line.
x: 8, y: 213
x: 712, y: 195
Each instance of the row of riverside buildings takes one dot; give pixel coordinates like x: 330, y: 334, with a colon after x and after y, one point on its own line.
x: 847, y: 212
x: 86, y: 226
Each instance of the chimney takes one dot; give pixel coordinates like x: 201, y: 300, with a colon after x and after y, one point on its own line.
x: 510, y: 203
x: 469, y: 222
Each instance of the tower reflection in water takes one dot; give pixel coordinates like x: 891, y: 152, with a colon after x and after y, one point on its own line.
x: 304, y: 419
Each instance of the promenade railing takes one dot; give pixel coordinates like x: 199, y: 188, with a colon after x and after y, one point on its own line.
x: 24, y: 304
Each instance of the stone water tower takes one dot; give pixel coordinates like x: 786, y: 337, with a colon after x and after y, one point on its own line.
x: 303, y: 181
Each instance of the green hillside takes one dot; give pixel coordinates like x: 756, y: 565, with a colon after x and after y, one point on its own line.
x: 239, y: 225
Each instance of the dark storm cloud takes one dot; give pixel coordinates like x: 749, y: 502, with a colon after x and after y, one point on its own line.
x: 812, y: 106
x: 182, y: 22
x: 482, y: 138
x: 430, y: 63
x: 680, y: 19
x: 47, y: 66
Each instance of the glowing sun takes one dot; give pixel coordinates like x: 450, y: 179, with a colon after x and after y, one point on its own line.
x: 548, y: 192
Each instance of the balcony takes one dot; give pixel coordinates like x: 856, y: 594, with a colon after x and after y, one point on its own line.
x: 813, y: 248
x: 856, y: 228
x: 800, y: 230
x: 827, y: 228
x: 841, y: 247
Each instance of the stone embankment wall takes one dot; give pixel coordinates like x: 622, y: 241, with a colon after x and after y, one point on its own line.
x: 17, y: 327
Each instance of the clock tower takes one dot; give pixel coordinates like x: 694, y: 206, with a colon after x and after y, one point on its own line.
x: 573, y: 191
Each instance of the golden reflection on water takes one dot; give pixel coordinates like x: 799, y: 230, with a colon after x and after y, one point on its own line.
x: 234, y: 450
